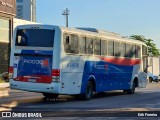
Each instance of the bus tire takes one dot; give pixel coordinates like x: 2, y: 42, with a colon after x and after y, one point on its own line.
x: 89, y: 91
x: 50, y: 95
x: 132, y: 90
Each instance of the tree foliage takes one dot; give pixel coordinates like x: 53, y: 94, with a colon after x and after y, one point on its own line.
x: 153, y: 51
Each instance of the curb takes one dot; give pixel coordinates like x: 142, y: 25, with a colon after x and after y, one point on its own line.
x: 4, y: 85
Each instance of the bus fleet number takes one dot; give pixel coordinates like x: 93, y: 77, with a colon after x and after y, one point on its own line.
x: 73, y: 65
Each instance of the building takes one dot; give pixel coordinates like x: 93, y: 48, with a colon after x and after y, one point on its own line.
x: 7, y: 12
x: 26, y: 10
x: 154, y: 65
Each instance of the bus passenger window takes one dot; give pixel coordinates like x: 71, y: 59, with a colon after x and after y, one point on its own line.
x: 104, y: 47
x: 117, y: 52
x: 74, y: 44
x: 82, y: 45
x: 123, y: 49
x: 110, y: 48
x: 133, y: 51
x: 128, y: 50
x: 138, y: 51
x: 89, y: 46
x: 71, y: 43
x: 97, y: 47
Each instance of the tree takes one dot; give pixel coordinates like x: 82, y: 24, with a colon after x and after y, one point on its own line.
x: 153, y: 51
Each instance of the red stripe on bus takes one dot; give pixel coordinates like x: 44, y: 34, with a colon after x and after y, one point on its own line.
x: 122, y: 61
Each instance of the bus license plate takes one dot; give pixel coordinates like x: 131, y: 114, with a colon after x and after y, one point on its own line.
x: 32, y: 80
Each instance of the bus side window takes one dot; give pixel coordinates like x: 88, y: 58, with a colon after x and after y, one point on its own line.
x: 104, y: 47
x: 89, y: 46
x: 117, y: 51
x: 97, y: 47
x: 123, y: 49
x: 138, y: 50
x: 74, y: 44
x: 133, y: 51
x: 110, y: 48
x: 82, y: 45
x: 128, y: 50
x: 71, y: 43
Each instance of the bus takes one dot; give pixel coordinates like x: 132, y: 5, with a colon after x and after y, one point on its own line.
x: 55, y: 60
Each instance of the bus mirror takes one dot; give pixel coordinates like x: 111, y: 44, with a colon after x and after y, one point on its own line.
x: 67, y: 40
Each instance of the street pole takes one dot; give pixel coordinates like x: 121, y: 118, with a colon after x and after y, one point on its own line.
x: 66, y: 13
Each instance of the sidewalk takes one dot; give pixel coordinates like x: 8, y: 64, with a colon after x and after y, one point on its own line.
x: 4, y: 85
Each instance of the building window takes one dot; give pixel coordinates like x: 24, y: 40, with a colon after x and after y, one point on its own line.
x: 4, y: 30
x: 19, y: 11
x: 19, y: 0
x: 4, y: 57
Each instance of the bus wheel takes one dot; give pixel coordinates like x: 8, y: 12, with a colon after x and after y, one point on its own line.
x: 50, y: 95
x: 89, y: 91
x: 132, y: 90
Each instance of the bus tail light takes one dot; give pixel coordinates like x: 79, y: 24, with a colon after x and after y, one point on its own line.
x: 11, y: 72
x: 55, y: 75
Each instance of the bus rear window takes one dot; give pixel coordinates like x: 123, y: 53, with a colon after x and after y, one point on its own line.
x: 35, y: 37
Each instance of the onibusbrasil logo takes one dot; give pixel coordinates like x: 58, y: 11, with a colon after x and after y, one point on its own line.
x: 20, y: 115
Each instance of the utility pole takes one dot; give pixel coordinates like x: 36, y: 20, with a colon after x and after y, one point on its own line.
x: 66, y: 13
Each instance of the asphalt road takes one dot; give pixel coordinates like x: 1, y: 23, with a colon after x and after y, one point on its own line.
x: 145, y: 102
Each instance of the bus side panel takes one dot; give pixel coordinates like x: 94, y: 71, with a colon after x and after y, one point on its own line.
x: 71, y: 83
x: 71, y: 74
x: 108, y: 76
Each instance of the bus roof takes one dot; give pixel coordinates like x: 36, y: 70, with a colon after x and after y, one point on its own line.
x: 87, y: 31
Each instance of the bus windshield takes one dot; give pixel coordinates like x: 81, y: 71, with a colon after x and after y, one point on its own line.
x: 35, y: 37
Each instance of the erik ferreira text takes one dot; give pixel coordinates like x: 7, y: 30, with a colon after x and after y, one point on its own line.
x: 147, y: 115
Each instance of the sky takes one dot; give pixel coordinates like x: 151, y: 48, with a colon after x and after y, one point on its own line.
x: 126, y: 17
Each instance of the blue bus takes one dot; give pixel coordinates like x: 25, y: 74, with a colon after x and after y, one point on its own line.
x: 55, y: 60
